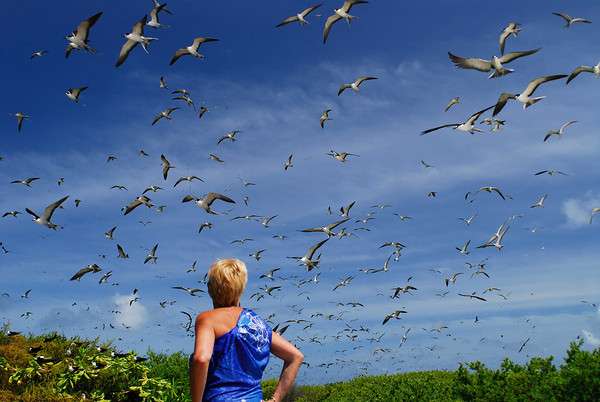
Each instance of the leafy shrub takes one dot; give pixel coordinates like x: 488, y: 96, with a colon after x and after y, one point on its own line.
x: 89, y: 370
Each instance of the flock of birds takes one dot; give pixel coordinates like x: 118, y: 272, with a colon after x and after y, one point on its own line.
x: 347, y: 225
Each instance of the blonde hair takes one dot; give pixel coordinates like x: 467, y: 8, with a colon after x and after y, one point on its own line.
x: 227, y: 280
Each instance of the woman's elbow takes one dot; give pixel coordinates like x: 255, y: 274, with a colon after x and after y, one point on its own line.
x: 201, y: 358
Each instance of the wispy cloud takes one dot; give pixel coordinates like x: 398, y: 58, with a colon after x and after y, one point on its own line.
x: 131, y: 314
x: 578, y: 210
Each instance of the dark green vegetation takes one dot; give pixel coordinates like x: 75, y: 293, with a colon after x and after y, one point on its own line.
x: 72, y: 368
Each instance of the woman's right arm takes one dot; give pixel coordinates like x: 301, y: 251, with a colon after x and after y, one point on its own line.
x: 292, y: 359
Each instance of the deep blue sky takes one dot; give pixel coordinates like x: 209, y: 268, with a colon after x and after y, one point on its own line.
x: 273, y: 85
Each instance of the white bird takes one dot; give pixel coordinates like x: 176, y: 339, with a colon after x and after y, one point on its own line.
x: 307, y: 259
x: 453, y: 101
x: 560, y: 131
x: 73, y: 93
x: 78, y: 40
x: 166, y: 166
x: 300, y: 17
x: 207, y: 201
x: 38, y: 53
x: 20, y: 118
x: 188, y: 179
x: 46, y: 218
x: 339, y: 14
x: 572, y: 20
x: 464, y: 250
x: 340, y: 156
x: 468, y: 126
x: 525, y: 97
x: 540, y: 202
x: 355, y: 86
x: 152, y: 255
x: 26, y: 182
x: 192, y: 50
x: 495, y: 124
x: 154, y: 22
x: 584, y: 69
x: 163, y: 83
x: 495, y: 64
x: 164, y: 114
x: 134, y: 38
x: 513, y: 28
x: 324, y: 118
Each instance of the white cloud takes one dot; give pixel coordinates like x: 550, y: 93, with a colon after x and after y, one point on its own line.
x: 590, y: 338
x: 133, y: 315
x: 578, y: 210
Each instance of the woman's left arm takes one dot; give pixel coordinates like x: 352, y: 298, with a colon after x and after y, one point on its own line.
x: 203, y: 349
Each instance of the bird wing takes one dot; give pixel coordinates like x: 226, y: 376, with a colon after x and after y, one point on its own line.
x: 125, y: 49
x: 343, y: 87
x: 497, y: 190
x: 52, y: 207
x: 30, y: 212
x: 328, y: 24
x: 310, y: 9
x: 348, y: 4
x: 336, y: 224
x: 200, y: 40
x: 181, y: 52
x: 314, y: 248
x: 288, y: 20
x: 132, y: 205
x: 564, y: 126
x: 564, y: 16
x: 471, y: 63
x: 211, y: 197
x: 533, y: 85
x: 473, y: 118
x: 438, y: 128
x: 502, y: 100
x: 83, y: 29
x: 361, y: 79
x: 138, y: 27
x: 579, y: 70
x: 507, y: 58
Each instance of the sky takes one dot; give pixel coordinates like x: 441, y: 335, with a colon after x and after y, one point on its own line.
x: 273, y: 84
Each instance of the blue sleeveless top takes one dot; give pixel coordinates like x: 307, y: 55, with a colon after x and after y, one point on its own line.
x: 239, y: 358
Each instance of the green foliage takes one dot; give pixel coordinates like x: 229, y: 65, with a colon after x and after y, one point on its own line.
x: 88, y: 370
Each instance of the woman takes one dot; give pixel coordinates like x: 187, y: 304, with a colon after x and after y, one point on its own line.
x: 233, y: 344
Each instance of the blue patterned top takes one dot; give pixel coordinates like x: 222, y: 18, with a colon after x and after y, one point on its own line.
x: 238, y: 361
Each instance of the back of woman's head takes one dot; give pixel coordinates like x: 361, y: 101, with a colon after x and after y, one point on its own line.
x: 227, y: 280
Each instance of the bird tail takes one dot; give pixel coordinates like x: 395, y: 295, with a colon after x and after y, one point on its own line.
x: 533, y: 102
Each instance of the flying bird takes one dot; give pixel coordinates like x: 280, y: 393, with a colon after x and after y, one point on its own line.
x: 307, y: 259
x: 26, y: 182
x: 513, y: 28
x: 468, y: 126
x: 355, y: 86
x: 569, y: 21
x: 584, y: 69
x: 73, y: 93
x: 540, y: 202
x: 288, y: 163
x: 339, y: 14
x: 560, y: 131
x: 206, y: 202
x: 191, y: 50
x: 164, y: 114
x: 188, y: 179
x: 154, y: 15
x: 328, y: 229
x: 152, y: 257
x: 134, y: 38
x: 395, y: 315
x: 79, y: 39
x: 324, y: 118
x: 166, y: 166
x: 46, y: 218
x: 453, y: 101
x: 300, y: 17
x: 140, y: 200
x: 495, y: 65
x: 85, y: 270
x: 20, y: 118
x: 525, y: 97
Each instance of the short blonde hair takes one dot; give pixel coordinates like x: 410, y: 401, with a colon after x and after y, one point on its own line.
x: 227, y: 280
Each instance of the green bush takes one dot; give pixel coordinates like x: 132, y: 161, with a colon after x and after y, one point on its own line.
x: 164, y: 377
